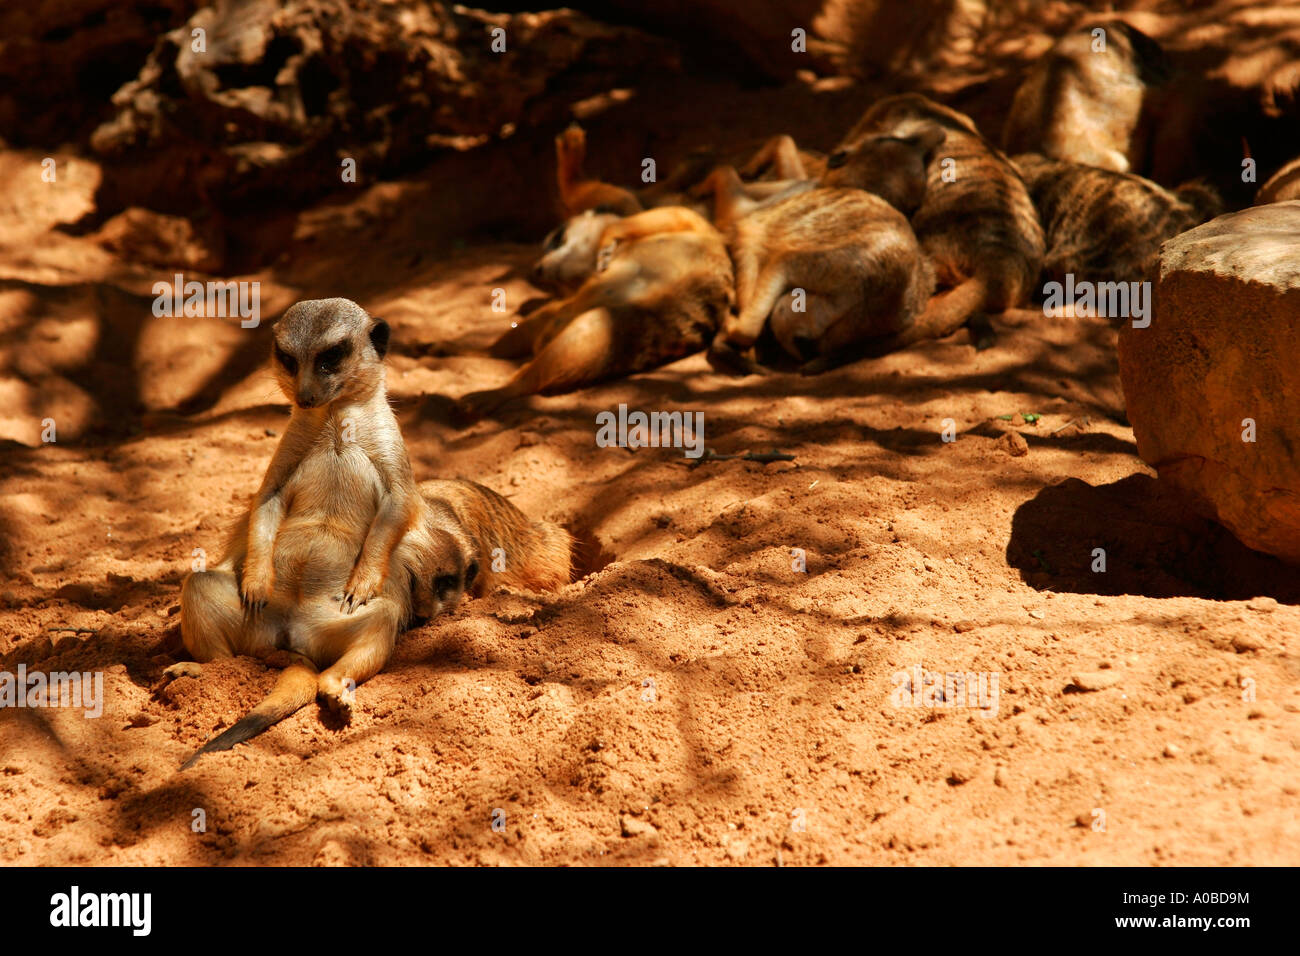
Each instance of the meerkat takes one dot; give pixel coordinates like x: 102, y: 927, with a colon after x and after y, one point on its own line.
x: 976, y: 222
x: 1106, y: 226
x: 663, y: 281
x: 833, y: 271
x: 1084, y: 100
x: 318, y: 566
x: 1282, y: 186
x: 479, y: 541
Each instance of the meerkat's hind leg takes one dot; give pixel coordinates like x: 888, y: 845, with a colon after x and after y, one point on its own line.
x: 213, y: 622
x: 781, y: 154
x: 367, y: 639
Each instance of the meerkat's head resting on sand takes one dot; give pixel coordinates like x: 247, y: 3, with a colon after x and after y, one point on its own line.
x: 892, y: 167
x: 326, y: 350
x: 445, y: 564
x: 569, y: 252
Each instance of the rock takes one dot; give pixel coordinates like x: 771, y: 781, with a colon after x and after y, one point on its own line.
x: 632, y: 827
x: 287, y: 90
x: 1248, y: 641
x: 1014, y: 444
x: 737, y: 849
x: 154, y: 239
x: 1220, y: 350
x: 1172, y: 750
x: 64, y: 58
x: 1094, y: 680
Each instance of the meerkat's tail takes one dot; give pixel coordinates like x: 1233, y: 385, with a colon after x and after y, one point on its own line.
x: 294, y: 688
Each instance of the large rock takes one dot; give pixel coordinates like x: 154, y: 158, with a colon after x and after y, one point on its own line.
x: 252, y: 101
x: 1224, y: 347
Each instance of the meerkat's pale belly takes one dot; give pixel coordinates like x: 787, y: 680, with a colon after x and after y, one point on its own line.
x: 331, y: 505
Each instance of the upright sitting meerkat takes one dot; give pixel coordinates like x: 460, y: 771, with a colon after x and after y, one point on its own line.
x: 319, y: 565
x: 1105, y: 226
x: 1083, y: 101
x: 663, y: 283
x: 478, y: 541
x: 976, y: 223
x: 835, y: 271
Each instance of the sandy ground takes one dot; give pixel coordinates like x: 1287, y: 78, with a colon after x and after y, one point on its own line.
x: 693, y: 697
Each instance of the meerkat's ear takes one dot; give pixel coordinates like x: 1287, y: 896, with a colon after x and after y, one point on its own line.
x: 928, y: 140
x: 379, y: 337
x: 471, y: 574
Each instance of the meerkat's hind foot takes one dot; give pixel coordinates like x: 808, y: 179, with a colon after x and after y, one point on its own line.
x: 982, y: 334
x: 727, y: 359
x: 476, y: 406
x: 183, y: 669
x: 338, y: 697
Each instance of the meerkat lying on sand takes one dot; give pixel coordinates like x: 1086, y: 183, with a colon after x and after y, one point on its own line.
x: 1106, y: 226
x: 479, y: 541
x: 976, y: 223
x: 1083, y: 101
x: 663, y: 283
x: 836, y: 272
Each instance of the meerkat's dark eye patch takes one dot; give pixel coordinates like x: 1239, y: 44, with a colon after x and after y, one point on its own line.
x: 379, y: 337
x: 328, y: 360
x: 289, y: 363
x: 837, y: 159
x: 555, y: 239
x: 444, y: 585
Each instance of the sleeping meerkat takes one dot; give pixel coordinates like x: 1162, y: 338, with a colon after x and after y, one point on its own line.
x: 662, y: 284
x: 1083, y: 101
x: 317, y: 566
x: 834, y: 272
x: 477, y: 540
x: 1106, y: 226
x: 976, y: 223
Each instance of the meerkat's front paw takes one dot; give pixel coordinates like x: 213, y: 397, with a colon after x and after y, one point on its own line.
x: 255, y: 590
x: 339, y: 695
x: 183, y: 669
x: 364, y: 584
x: 606, y: 255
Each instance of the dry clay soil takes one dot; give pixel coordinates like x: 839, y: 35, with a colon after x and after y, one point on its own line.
x: 692, y: 697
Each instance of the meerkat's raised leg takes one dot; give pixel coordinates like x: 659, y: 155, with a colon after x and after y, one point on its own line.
x: 577, y: 193
x: 214, y: 622
x: 781, y: 154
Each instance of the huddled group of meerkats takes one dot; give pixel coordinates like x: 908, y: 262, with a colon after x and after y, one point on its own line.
x: 911, y: 227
